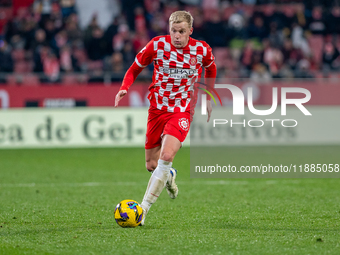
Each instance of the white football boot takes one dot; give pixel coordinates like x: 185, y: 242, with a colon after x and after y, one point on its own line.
x: 170, y: 185
x: 145, y: 212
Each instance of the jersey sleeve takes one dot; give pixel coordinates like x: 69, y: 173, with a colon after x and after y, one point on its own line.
x: 146, y: 55
x: 209, y: 58
x: 210, y: 69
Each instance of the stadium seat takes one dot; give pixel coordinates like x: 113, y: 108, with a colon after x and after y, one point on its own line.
x: 316, y: 44
x: 5, y: 15
x: 18, y: 54
x: 208, y: 13
x: 80, y: 55
x: 210, y: 4
x: 247, y: 9
x: 221, y: 55
x: 228, y: 12
x: 318, y: 75
x: 11, y: 79
x: 191, y: 9
x: 337, y: 43
x: 23, y: 79
x: 74, y: 79
x: 23, y: 66
x: 94, y: 65
x: 20, y: 66
x: 31, y: 79
x: 288, y: 9
x: 168, y: 9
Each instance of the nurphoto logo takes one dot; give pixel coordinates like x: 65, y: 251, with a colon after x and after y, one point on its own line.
x: 238, y: 105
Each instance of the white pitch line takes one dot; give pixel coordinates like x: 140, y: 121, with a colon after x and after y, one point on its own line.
x: 97, y: 184
x: 76, y: 184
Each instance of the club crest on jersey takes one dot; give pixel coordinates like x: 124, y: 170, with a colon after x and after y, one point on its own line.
x: 193, y: 61
x: 184, y: 124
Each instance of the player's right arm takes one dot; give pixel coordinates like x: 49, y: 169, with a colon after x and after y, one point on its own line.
x: 143, y: 59
x: 209, y: 75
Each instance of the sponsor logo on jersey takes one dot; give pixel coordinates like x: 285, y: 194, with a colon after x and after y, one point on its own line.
x: 184, y: 124
x: 179, y: 73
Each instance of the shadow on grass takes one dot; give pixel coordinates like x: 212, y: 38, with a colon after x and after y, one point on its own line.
x: 219, y: 224
x: 94, y: 229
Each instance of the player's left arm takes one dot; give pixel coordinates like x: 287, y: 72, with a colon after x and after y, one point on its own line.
x: 209, y: 75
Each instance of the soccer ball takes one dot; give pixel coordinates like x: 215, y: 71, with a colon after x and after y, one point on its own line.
x: 128, y: 214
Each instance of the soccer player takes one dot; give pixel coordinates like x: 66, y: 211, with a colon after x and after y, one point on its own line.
x: 178, y: 61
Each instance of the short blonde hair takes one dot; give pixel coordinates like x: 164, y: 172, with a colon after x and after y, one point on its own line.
x: 181, y: 16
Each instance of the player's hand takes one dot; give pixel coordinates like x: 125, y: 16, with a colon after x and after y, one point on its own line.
x: 209, y: 109
x: 119, y: 96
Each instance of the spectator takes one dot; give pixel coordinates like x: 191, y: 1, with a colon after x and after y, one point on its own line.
x: 199, y: 32
x: 302, y: 69
x: 215, y: 31
x: 59, y: 41
x: 88, y: 31
x: 329, y: 56
x: 51, y: 67
x: 39, y: 54
x: 67, y: 7
x: 97, y: 46
x: 115, y: 63
x: 27, y: 33
x: 260, y: 74
x: 333, y: 21
x: 53, y: 24
x: 140, y: 40
x: 74, y: 34
x: 17, y: 42
x: 44, y: 7
x: 140, y: 22
x: 274, y: 59
x: 236, y: 27
x: 109, y: 34
x: 275, y: 36
x: 299, y: 41
x: 67, y: 62
x: 39, y: 39
x: 158, y: 26
x: 120, y: 38
x: 257, y: 29
x: 79, y: 57
x: 128, y: 55
x: 50, y: 30
x: 247, y: 55
x: 316, y: 23
x: 128, y: 8
x: 6, y: 61
x: 300, y: 17
x: 273, y: 14
x: 291, y: 56
x: 257, y: 58
x: 56, y: 16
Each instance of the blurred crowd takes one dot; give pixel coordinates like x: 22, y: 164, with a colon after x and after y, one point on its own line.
x: 250, y: 39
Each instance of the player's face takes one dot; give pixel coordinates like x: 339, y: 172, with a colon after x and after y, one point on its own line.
x: 180, y: 33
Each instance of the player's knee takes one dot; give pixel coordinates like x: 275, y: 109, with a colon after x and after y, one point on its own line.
x: 167, y: 156
x: 151, y: 165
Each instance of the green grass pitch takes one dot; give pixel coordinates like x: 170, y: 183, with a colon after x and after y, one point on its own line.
x: 61, y: 201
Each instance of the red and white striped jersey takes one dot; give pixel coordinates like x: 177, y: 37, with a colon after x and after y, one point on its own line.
x: 175, y: 71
